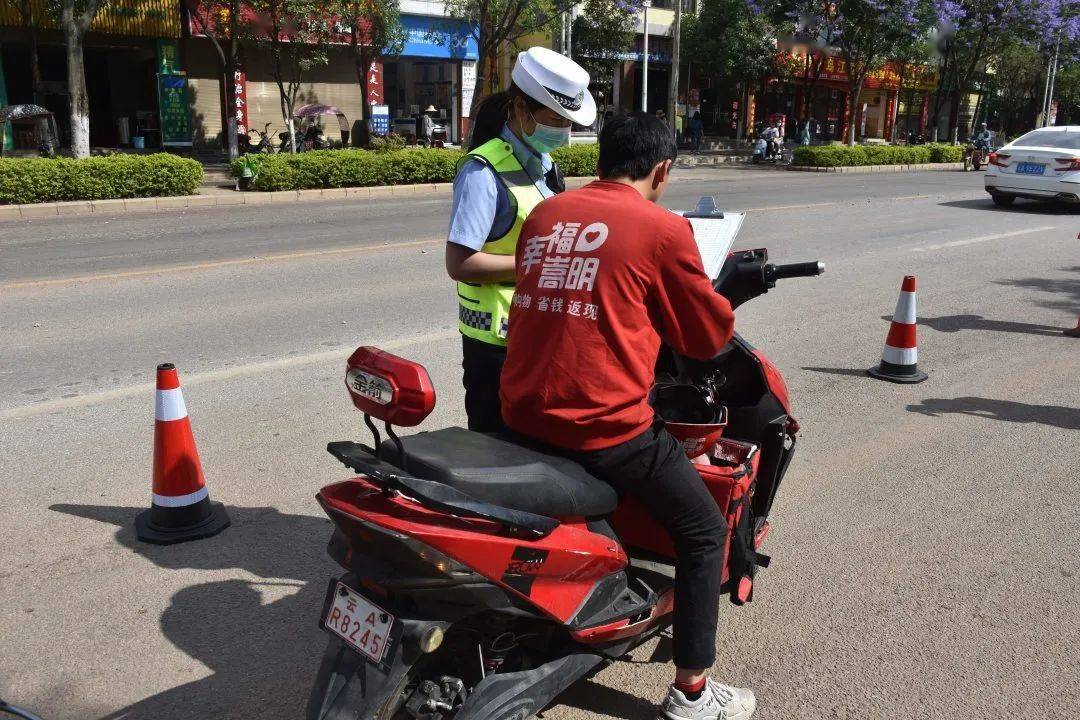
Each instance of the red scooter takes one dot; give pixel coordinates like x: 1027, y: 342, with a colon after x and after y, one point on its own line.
x: 483, y: 578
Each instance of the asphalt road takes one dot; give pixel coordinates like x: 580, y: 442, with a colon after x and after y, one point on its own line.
x: 925, y: 542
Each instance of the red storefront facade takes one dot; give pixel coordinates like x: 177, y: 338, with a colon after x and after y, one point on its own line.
x: 894, y: 100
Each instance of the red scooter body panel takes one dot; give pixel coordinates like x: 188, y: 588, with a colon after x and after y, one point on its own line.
x: 555, y: 573
x: 637, y: 529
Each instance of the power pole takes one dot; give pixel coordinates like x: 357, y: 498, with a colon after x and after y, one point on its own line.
x: 645, y: 56
x: 673, y: 79
x: 1052, y: 81
x: 566, y: 40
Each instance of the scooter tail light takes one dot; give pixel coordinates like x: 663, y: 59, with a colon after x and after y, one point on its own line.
x: 999, y: 159
x: 388, y: 387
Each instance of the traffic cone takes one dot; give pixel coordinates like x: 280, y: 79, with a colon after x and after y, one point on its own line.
x: 180, y: 509
x: 1074, y: 332
x: 899, y: 359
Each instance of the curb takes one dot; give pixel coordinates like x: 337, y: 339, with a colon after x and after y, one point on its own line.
x: 921, y: 167
x: 37, y: 211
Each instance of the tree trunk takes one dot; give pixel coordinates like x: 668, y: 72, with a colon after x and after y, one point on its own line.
x: 855, y: 90
x: 480, y: 86
x: 30, y: 24
x: 228, y: 110
x: 954, y: 113
x: 361, y: 57
x: 811, y: 91
x: 79, y: 101
x: 673, y: 76
x: 939, y: 94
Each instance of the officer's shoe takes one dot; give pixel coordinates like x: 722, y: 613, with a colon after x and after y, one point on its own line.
x: 717, y: 702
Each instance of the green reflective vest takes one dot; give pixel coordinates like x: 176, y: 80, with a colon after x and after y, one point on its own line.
x: 484, y: 309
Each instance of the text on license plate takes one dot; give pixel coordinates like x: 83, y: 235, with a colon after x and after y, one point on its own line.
x: 359, y: 622
x: 1031, y: 168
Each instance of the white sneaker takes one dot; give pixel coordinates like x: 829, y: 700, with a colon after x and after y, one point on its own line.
x: 717, y: 702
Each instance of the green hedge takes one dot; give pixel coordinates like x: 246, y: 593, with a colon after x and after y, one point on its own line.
x: 34, y: 180
x: 361, y: 168
x: 349, y: 168
x: 577, y: 160
x: 844, y: 156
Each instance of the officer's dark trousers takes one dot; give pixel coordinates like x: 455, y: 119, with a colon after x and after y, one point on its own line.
x: 483, y: 364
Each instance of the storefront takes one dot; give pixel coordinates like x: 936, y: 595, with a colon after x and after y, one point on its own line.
x: 124, y: 54
x: 436, y: 68
x: 892, y: 102
x: 626, y: 86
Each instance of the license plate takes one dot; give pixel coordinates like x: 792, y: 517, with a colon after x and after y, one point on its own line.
x: 362, y: 624
x: 1031, y: 168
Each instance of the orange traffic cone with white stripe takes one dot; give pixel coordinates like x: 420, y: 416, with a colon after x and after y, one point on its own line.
x: 899, y: 360
x: 180, y: 508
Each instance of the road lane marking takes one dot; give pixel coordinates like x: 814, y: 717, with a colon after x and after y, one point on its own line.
x: 983, y: 238
x: 220, y: 375
x: 795, y: 207
x: 163, y: 269
x: 846, y: 201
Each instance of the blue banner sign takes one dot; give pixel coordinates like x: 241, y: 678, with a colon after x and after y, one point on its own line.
x: 434, y: 37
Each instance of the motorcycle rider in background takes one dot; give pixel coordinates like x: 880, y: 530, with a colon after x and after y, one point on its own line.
x: 603, y: 273
x: 772, y: 140
x: 983, y: 139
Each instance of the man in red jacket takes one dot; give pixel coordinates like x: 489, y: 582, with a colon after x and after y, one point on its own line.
x: 603, y: 274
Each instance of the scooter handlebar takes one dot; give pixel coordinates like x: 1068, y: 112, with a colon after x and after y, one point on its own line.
x: 794, y: 270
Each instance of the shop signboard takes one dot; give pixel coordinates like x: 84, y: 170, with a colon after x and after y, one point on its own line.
x: 380, y: 119
x: 468, y: 85
x: 168, y: 56
x: 238, y: 99
x: 375, y: 83
x: 174, y: 110
x: 143, y: 18
x: 446, y: 38
x: 834, y: 69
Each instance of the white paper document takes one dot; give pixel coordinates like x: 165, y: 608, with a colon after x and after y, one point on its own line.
x: 715, y: 237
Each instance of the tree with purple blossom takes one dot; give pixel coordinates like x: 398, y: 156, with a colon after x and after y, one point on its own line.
x: 867, y: 33
x: 975, y: 35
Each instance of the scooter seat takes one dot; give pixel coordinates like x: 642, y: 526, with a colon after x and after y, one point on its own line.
x: 501, y: 473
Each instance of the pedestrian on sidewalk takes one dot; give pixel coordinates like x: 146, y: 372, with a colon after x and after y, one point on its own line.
x: 507, y: 172
x: 697, y: 130
x: 425, y: 126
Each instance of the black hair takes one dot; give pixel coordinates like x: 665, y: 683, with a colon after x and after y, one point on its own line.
x: 493, y: 113
x: 631, y: 145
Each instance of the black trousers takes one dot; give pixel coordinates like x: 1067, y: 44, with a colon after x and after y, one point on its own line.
x: 653, y: 468
x: 482, y: 363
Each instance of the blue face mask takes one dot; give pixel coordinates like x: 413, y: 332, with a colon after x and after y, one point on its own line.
x: 545, y: 138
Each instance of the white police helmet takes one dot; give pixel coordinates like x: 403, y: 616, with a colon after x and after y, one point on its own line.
x: 556, y: 82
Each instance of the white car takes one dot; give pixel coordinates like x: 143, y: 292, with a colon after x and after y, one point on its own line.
x: 1044, y: 164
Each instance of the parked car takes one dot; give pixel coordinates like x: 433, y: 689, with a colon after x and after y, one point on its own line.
x: 1044, y: 164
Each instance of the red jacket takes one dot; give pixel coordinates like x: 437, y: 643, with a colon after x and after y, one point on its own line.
x: 602, y: 275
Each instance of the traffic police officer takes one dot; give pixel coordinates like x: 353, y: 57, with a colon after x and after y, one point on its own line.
x: 507, y: 172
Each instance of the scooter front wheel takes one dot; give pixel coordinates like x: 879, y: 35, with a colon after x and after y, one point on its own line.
x: 394, y: 709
